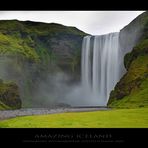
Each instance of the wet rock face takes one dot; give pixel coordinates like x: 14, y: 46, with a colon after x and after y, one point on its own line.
x: 133, y: 33
x: 9, y: 95
x: 31, y: 52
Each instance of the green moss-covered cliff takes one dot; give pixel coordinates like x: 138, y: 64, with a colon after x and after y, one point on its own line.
x: 41, y: 42
x: 9, y: 96
x: 132, y: 90
x: 32, y: 53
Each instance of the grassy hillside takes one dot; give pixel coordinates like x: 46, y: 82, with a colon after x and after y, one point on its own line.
x: 35, y: 39
x: 30, y: 52
x: 132, y: 90
x: 129, y: 118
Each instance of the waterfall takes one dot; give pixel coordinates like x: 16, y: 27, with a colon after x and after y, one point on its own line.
x: 100, y: 66
x: 86, y: 71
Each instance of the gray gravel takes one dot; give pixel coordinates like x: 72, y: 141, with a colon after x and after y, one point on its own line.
x: 41, y: 111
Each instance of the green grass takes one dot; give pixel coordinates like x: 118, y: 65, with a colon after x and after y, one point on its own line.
x: 120, y: 118
x: 132, y: 89
x: 137, y: 98
x: 138, y: 69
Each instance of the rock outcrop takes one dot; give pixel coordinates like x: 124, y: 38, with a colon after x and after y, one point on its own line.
x: 9, y: 96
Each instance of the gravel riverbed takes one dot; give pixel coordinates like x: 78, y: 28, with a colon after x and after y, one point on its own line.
x: 42, y: 111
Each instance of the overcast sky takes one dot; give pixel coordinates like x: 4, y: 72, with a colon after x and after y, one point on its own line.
x: 92, y: 22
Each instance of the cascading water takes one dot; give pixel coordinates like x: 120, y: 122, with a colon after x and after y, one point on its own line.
x: 100, y: 66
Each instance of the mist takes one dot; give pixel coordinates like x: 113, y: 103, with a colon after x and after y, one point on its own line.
x: 48, y: 85
x: 43, y: 88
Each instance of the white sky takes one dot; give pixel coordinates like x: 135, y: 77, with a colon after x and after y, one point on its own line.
x: 92, y: 22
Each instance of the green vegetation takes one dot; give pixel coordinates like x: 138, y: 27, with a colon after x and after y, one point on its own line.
x: 42, y: 43
x: 30, y: 51
x: 132, y: 90
x: 3, y: 106
x: 38, y: 49
x: 9, y: 96
x: 137, y: 98
x: 121, y: 118
x: 140, y: 50
x: 14, y: 45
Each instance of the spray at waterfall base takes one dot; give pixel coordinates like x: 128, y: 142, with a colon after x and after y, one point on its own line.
x: 101, y: 68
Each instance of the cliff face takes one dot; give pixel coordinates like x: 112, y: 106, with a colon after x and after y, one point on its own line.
x: 133, y: 33
x: 9, y: 96
x: 32, y: 53
x: 132, y: 90
x: 41, y: 42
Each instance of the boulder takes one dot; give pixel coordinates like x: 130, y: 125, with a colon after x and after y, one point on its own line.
x: 9, y: 95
